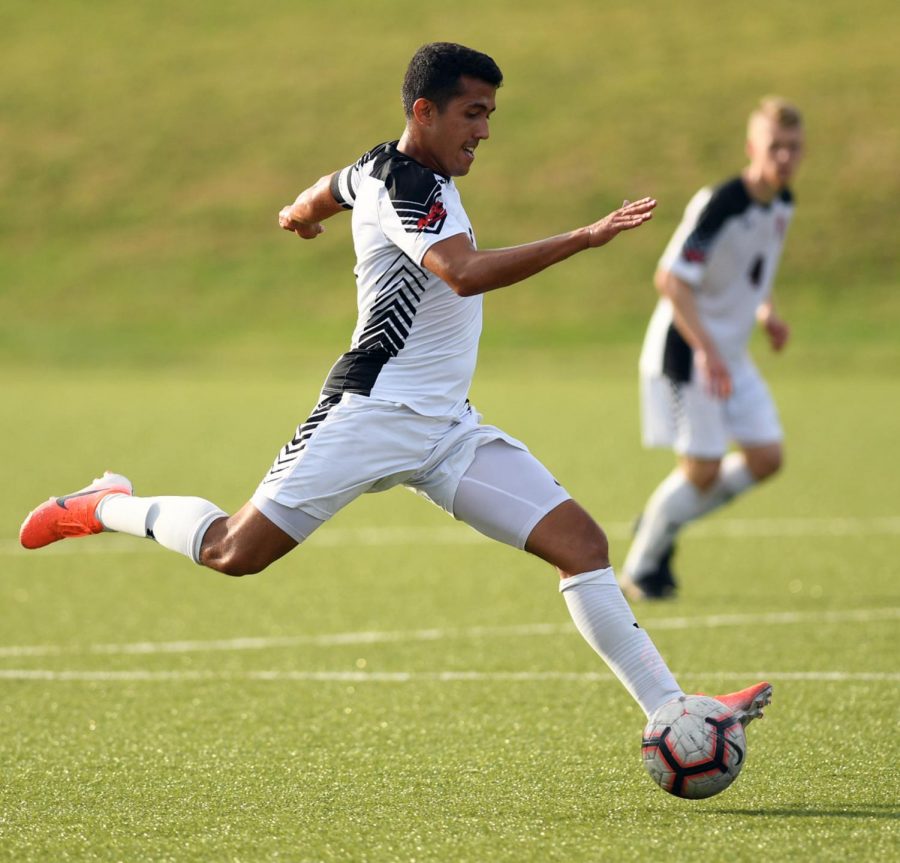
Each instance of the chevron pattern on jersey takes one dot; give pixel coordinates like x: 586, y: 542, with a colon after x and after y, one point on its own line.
x: 290, y: 452
x: 391, y: 316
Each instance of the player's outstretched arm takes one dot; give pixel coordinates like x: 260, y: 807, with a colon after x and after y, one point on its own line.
x: 469, y: 271
x: 313, y: 205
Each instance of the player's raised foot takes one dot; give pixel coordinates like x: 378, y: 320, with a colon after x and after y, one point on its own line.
x: 646, y: 587
x: 658, y: 584
x: 72, y: 514
x: 748, y: 704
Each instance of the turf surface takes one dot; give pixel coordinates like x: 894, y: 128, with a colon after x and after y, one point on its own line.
x: 402, y: 690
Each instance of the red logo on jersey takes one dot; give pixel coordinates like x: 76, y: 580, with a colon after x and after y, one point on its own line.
x: 435, y: 214
x: 695, y: 256
x: 781, y: 225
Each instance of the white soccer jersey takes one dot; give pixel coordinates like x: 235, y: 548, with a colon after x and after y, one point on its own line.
x: 727, y: 248
x: 415, y: 341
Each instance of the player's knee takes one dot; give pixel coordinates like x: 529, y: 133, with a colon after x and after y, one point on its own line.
x: 229, y: 559
x: 238, y: 566
x: 598, y: 549
x: 592, y: 550
x: 570, y: 539
x: 766, y: 464
x: 702, y: 474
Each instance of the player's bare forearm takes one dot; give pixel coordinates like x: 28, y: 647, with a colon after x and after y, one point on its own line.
x: 312, y: 206
x: 470, y: 272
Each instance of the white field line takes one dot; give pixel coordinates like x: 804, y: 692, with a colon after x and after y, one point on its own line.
x: 138, y: 676
x: 459, y: 534
x: 714, y: 621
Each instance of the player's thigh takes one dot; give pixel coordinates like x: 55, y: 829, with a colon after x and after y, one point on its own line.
x: 345, y: 449
x: 505, y: 492
x: 753, y: 419
x: 701, y: 429
x: 683, y: 417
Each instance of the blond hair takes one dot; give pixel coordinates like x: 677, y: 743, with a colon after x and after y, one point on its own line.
x: 780, y: 112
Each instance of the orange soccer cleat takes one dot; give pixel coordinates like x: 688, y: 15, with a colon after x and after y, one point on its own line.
x: 748, y: 704
x: 72, y: 514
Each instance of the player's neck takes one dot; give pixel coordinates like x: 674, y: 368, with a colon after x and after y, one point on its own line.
x: 757, y: 188
x: 410, y: 146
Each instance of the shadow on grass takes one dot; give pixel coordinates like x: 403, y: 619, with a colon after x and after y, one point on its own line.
x: 868, y: 810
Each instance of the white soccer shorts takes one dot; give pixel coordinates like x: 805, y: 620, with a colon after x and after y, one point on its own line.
x: 684, y: 417
x: 353, y: 444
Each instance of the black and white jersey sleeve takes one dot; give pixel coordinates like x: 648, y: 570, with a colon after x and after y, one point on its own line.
x: 705, y: 218
x: 344, y: 183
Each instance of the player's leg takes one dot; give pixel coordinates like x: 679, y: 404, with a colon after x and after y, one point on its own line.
x: 677, y: 500
x: 493, y: 497
x: 247, y: 542
x: 762, y: 461
x: 508, y: 495
x: 258, y: 534
x: 237, y: 545
x: 702, y: 483
x: 693, y: 423
x: 108, y: 504
x: 753, y: 422
x: 240, y: 544
x: 719, y: 482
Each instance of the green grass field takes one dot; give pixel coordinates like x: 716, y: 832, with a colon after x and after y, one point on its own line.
x: 399, y: 689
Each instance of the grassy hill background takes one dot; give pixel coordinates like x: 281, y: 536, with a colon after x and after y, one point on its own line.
x: 148, y: 147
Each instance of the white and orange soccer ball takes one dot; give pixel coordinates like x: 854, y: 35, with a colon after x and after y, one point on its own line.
x: 694, y: 746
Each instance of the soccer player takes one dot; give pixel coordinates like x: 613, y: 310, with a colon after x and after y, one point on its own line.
x: 700, y: 391
x: 394, y: 408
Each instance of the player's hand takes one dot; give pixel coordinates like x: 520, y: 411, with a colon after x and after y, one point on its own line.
x: 713, y: 372
x: 630, y: 215
x: 778, y: 332
x: 308, y: 231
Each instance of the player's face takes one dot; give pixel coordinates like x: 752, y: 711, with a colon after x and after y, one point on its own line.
x: 775, y: 153
x: 457, y: 130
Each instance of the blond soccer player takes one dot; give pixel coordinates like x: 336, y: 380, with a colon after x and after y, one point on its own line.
x: 701, y: 394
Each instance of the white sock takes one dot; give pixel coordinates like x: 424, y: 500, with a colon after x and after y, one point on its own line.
x: 734, y: 479
x: 677, y: 501
x: 176, y: 523
x: 605, y: 620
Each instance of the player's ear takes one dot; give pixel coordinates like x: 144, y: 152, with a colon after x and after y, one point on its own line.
x: 748, y: 148
x: 424, y: 111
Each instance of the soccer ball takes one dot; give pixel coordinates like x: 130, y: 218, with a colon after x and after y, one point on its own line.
x: 694, y: 746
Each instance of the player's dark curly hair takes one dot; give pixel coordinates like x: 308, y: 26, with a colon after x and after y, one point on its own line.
x: 435, y: 70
